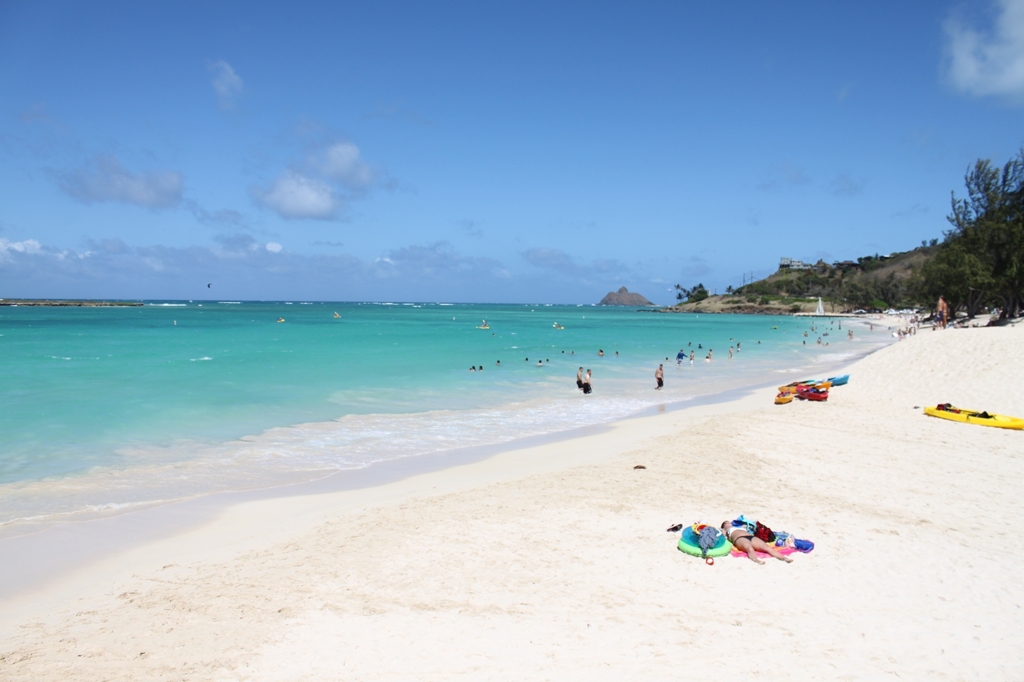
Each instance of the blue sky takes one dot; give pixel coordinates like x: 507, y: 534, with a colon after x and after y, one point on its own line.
x: 481, y: 152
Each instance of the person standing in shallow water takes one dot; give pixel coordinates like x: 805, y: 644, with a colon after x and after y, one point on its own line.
x: 579, y: 379
x: 659, y: 375
x: 587, y: 388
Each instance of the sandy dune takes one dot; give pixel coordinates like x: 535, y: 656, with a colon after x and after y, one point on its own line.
x: 553, y: 562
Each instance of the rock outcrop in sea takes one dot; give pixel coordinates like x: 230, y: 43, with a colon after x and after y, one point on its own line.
x: 624, y: 297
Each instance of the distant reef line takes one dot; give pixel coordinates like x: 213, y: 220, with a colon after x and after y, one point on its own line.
x: 59, y: 303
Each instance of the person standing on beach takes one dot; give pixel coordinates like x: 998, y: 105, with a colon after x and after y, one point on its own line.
x: 579, y: 379
x: 659, y: 375
x: 586, y: 383
x: 942, y: 312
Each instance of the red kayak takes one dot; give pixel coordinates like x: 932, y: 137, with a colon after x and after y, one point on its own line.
x: 811, y: 393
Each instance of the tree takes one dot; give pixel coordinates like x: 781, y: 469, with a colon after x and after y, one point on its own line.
x: 890, y: 290
x: 988, y: 230
x: 693, y: 295
x: 860, y: 294
x: 957, y: 274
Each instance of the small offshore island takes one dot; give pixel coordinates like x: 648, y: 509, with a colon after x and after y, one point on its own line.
x: 623, y: 297
x: 67, y: 304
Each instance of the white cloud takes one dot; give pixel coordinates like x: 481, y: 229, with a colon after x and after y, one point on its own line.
x: 295, y: 196
x: 246, y: 269
x: 341, y: 163
x: 600, y: 270
x: 319, y: 186
x: 105, y: 179
x: 989, y: 62
x: 556, y: 259
x: 274, y: 247
x: 29, y: 246
x: 226, y: 83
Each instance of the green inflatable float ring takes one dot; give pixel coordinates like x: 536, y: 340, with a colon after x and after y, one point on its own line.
x: 688, y: 544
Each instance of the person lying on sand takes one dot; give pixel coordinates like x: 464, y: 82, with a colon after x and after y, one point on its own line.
x: 745, y: 542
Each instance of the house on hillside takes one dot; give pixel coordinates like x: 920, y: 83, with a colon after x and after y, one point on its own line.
x: 792, y: 264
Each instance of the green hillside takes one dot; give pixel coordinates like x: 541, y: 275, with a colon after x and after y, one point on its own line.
x: 869, y: 282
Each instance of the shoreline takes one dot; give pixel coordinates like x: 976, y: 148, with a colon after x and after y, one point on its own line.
x: 36, y: 561
x: 65, y: 552
x: 552, y: 560
x: 271, y: 438
x: 91, y: 540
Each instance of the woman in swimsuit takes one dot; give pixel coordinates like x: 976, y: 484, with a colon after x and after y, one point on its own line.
x: 742, y: 540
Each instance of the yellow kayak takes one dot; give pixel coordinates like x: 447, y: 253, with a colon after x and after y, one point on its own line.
x: 956, y: 414
x: 784, y: 398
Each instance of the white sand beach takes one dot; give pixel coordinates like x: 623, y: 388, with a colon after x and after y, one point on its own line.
x: 553, y: 563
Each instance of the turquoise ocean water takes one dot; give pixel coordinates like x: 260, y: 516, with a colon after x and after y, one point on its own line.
x: 106, y: 409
